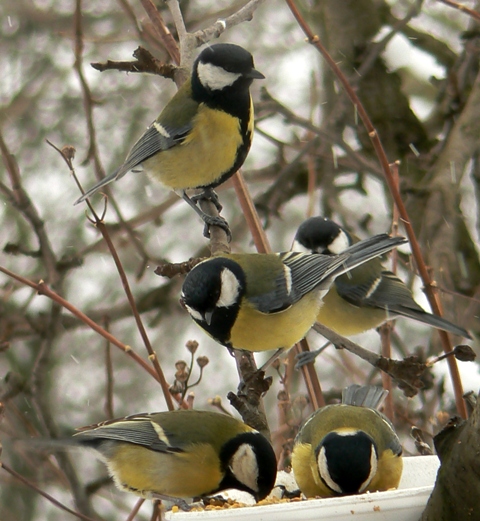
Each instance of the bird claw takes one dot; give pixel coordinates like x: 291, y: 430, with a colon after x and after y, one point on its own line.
x: 304, y: 358
x: 179, y: 502
x: 254, y: 382
x: 208, y: 195
x: 210, y: 220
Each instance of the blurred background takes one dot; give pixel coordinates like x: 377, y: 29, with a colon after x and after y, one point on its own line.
x: 415, y: 68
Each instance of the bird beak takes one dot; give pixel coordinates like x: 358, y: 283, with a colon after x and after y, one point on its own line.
x: 255, y: 75
x: 208, y: 317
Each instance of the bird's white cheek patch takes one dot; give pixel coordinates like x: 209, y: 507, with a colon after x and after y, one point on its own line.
x: 244, y: 466
x: 230, y: 289
x: 339, y: 244
x: 215, y: 78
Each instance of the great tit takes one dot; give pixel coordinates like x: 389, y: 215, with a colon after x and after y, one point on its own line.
x: 348, y: 448
x: 259, y: 302
x: 183, y: 454
x: 367, y: 296
x: 203, y: 135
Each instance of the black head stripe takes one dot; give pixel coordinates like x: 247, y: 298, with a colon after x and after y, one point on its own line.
x: 348, y: 459
x: 317, y: 233
x: 202, y: 289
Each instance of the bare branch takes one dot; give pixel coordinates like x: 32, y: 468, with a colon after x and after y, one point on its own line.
x: 145, y: 62
x: 244, y: 14
x: 162, y: 30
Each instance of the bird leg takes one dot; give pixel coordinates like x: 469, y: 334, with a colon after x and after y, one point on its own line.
x: 305, y: 357
x: 180, y: 503
x: 272, y: 359
x: 256, y: 380
x: 209, y: 220
x: 208, y: 194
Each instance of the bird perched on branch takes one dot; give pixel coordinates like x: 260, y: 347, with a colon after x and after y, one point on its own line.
x: 203, y: 135
x: 183, y: 454
x: 368, y: 295
x: 259, y: 302
x: 348, y: 448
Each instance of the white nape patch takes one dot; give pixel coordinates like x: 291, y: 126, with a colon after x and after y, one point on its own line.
x: 160, y: 129
x: 374, y: 287
x: 298, y: 246
x: 244, y: 467
x: 230, y: 289
x: 288, y: 278
x: 195, y: 314
x: 160, y: 433
x: 340, y: 243
x: 324, y: 473
x: 214, y: 77
x: 373, y: 470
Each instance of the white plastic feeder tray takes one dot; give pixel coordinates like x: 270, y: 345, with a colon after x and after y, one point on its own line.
x: 404, y: 504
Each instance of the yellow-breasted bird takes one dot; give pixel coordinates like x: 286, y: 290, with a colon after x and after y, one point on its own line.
x: 183, y: 454
x: 348, y: 448
x: 203, y: 134
x: 259, y: 302
x: 368, y: 295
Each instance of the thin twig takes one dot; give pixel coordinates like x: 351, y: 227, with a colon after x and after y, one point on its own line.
x: 135, y: 509
x: 109, y: 376
x: 378, y: 47
x: 416, y: 251
x: 88, y: 103
x: 152, y: 356
x: 162, y: 30
x: 261, y: 242
x: 407, y: 372
x: 242, y: 15
x: 20, y: 200
x: 42, y: 289
x: 100, y: 225
x: 386, y: 328
x: 145, y: 62
x: 31, y: 485
x: 461, y: 7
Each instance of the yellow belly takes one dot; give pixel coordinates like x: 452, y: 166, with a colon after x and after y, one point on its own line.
x: 389, y: 472
x: 255, y: 331
x: 346, y: 319
x: 180, y: 475
x: 306, y: 473
x: 203, y: 157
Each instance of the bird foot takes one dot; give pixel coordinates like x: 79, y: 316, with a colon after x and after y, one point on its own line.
x: 209, y: 220
x: 180, y: 503
x: 304, y: 358
x: 208, y: 195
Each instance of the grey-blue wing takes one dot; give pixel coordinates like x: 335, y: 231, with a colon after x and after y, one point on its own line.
x: 139, y: 431
x: 156, y: 138
x: 302, y: 273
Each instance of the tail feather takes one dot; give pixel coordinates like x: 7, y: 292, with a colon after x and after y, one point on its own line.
x: 105, y: 181
x: 364, y: 396
x: 430, y: 319
x: 368, y: 249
